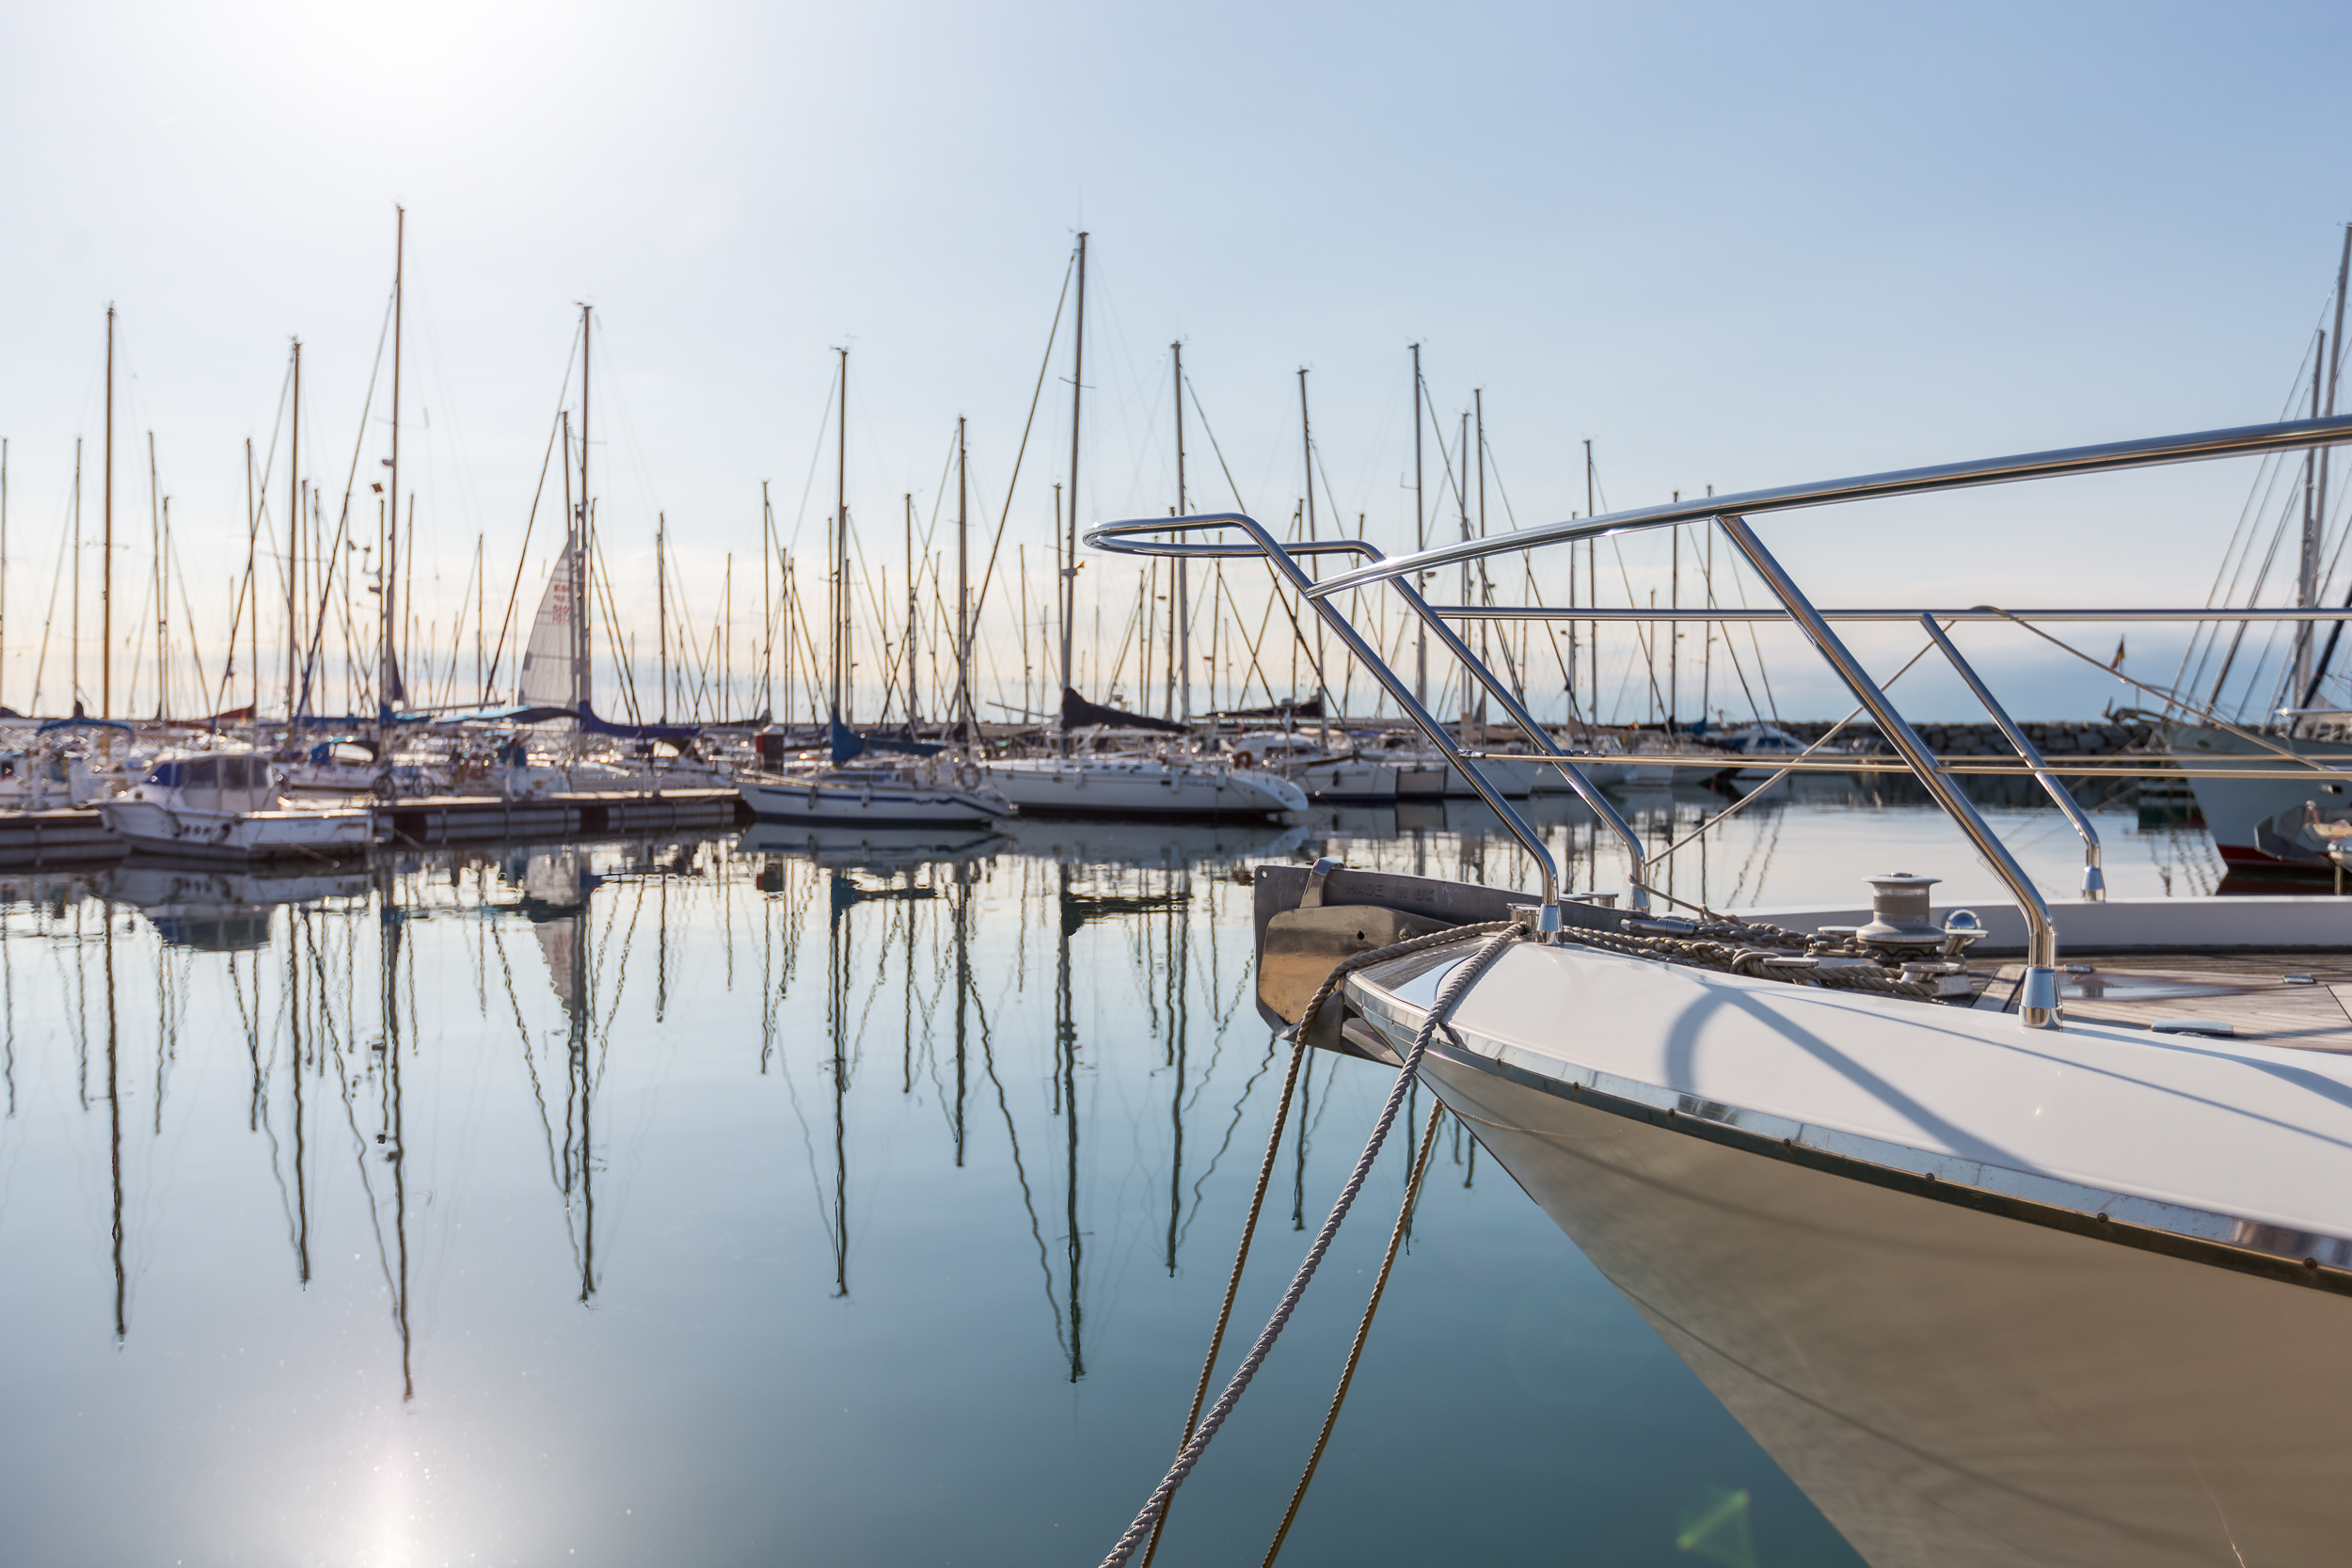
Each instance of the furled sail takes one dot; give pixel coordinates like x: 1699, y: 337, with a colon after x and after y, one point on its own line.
x: 1077, y: 713
x: 547, y: 672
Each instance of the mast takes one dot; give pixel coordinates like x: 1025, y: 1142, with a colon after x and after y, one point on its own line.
x: 1063, y: 571
x: 840, y: 616
x: 1307, y: 455
x: 964, y: 590
x: 162, y: 583
x: 1674, y: 628
x: 767, y: 606
x: 294, y: 541
x: 1568, y: 669
x: 662, y: 604
x: 106, y: 559
x: 75, y: 619
x: 1592, y: 589
x: 1183, y: 610
x: 2343, y: 274
x: 1078, y: 393
x: 1461, y: 496
x: 252, y: 601
x: 914, y: 630
x: 1420, y: 539
x: 3, y: 554
x: 2307, y: 572
x: 571, y: 517
x: 582, y: 672
x: 389, y: 657
x: 1478, y: 415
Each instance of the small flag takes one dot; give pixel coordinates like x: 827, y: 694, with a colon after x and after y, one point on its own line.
x: 2116, y: 664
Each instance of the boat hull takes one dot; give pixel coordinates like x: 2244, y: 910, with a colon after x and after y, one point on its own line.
x: 1048, y: 788
x: 2267, y: 822
x: 1365, y: 781
x: 1990, y: 1296
x: 893, y: 805
x: 235, y: 837
x: 1953, y: 1387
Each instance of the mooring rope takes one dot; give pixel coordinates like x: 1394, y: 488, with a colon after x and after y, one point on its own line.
x: 1745, y: 957
x: 1297, y: 1034
x: 1241, y: 1257
x: 1449, y: 993
x: 1346, y: 967
x: 1363, y: 1331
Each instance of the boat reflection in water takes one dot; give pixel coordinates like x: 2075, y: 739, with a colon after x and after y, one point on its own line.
x: 832, y: 1148
x: 220, y: 910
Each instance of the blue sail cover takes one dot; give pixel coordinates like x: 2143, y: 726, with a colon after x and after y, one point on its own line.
x: 81, y: 722
x: 848, y: 743
x: 674, y: 734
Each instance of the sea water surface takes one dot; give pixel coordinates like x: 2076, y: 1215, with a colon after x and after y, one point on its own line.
x: 788, y: 1199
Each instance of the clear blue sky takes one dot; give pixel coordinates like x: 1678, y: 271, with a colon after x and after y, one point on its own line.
x: 1730, y: 244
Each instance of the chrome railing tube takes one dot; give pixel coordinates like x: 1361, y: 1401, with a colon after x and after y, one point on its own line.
x: 1637, y: 870
x: 1114, y: 536
x: 2107, y: 613
x: 1637, y: 873
x: 2037, y: 1004
x: 2094, y: 880
x: 2243, y: 441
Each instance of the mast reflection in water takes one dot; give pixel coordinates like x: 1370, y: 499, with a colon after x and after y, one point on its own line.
x: 564, y: 1203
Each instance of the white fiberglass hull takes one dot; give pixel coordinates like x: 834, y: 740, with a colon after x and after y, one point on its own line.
x: 884, y: 802
x: 1141, y: 788
x: 2267, y: 822
x: 1367, y: 781
x: 238, y: 836
x: 1990, y: 1297
x: 1375, y: 780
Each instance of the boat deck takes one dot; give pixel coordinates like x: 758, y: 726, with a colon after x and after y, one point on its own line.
x: 2300, y: 999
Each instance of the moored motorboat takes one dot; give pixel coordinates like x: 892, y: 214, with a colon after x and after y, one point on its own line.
x: 229, y: 805
x: 1973, y: 1288
x: 2003, y: 1262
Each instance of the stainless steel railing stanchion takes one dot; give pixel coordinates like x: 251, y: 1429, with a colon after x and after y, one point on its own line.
x: 2037, y: 998
x: 2094, y: 879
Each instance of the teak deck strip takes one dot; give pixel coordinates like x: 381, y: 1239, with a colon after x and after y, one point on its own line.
x: 2246, y: 990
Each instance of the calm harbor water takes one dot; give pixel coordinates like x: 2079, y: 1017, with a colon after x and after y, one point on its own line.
x: 802, y: 1199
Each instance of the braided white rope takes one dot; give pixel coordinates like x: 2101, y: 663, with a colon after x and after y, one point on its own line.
x: 1448, y: 995
x: 1346, y: 967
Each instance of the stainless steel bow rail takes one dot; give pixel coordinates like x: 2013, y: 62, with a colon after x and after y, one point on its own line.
x: 2038, y: 1008
x: 1134, y: 538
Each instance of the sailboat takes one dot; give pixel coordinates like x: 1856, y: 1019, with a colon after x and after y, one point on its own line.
x: 2276, y: 795
x: 858, y: 781
x: 1107, y: 763
x: 1142, y: 771
x: 941, y: 791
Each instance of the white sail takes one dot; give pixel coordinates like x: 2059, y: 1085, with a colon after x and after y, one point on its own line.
x: 547, y: 672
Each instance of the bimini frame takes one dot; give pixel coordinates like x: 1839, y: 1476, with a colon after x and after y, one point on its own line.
x: 2038, y: 999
